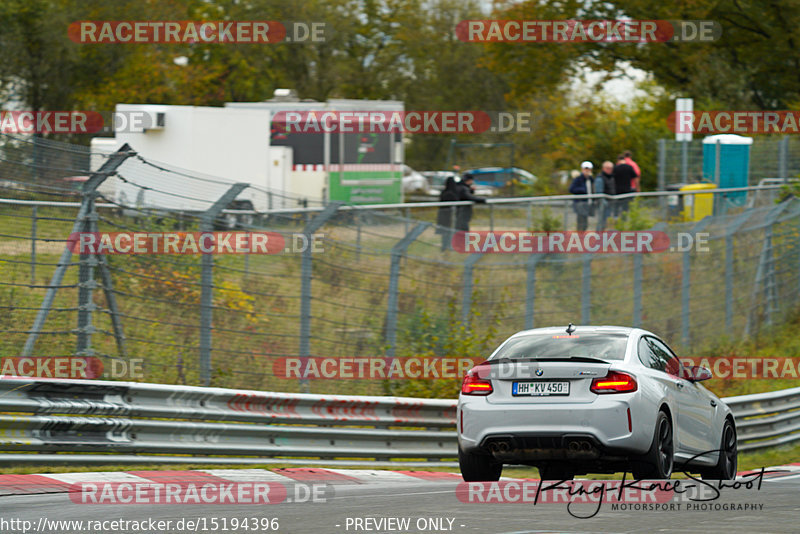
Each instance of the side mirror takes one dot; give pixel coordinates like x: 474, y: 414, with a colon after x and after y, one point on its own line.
x: 696, y: 373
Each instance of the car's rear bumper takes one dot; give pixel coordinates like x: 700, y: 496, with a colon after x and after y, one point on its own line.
x: 528, y: 432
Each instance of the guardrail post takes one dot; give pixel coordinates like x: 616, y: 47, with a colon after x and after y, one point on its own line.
x: 586, y: 290
x: 466, y: 297
x: 207, y: 281
x: 729, y: 235
x: 394, y: 285
x: 305, y: 286
x: 686, y: 283
x: 89, y: 191
x: 530, y: 289
x: 637, y: 290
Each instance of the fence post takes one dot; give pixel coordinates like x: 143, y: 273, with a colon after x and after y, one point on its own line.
x: 529, y: 226
x: 637, y: 290
x: 86, y: 286
x: 686, y: 283
x: 662, y: 173
x: 530, y: 289
x: 305, y: 286
x: 87, y: 205
x: 466, y: 300
x: 357, y: 215
x: 765, y: 271
x: 33, y: 247
x: 783, y: 158
x: 797, y: 246
x: 684, y: 161
x: 729, y: 235
x: 394, y: 285
x: 207, y: 281
x: 586, y: 290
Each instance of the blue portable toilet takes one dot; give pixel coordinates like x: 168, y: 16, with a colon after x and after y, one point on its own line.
x: 734, y: 163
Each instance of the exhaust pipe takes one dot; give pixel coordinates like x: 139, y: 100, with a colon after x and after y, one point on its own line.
x: 503, y: 447
x: 573, y: 446
x: 586, y: 446
x: 493, y: 447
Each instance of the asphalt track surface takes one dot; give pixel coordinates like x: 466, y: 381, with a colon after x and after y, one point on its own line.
x: 429, y: 502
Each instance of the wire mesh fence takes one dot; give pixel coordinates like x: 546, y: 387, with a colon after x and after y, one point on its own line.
x: 768, y: 157
x: 378, y: 286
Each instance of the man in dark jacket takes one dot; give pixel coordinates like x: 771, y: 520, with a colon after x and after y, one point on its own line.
x: 445, y: 218
x: 624, y: 175
x: 583, y: 185
x: 604, y: 183
x: 464, y: 191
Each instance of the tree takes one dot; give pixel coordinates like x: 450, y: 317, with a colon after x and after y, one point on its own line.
x: 755, y: 63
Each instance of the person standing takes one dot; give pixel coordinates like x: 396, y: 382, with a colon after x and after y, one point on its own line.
x: 445, y: 218
x: 604, y: 183
x: 624, y: 175
x: 636, y: 182
x: 582, y: 185
x: 464, y: 191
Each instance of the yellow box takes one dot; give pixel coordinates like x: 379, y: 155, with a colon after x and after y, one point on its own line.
x: 697, y: 206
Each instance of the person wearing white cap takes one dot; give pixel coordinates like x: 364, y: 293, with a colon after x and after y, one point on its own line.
x: 582, y: 185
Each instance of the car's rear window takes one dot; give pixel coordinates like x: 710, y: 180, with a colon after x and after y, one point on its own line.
x: 604, y: 346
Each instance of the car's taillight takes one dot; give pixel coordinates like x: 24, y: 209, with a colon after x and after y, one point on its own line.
x: 472, y: 385
x: 614, y: 382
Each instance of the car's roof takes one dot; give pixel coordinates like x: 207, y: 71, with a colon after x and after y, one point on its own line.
x: 627, y: 330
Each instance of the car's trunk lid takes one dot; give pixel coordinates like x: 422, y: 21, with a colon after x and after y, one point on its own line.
x: 542, y: 381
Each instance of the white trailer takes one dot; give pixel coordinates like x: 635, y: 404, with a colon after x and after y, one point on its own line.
x: 192, y: 156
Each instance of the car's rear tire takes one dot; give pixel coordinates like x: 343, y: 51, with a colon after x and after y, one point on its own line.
x: 478, y: 468
x: 657, y: 463
x: 728, y: 456
x: 556, y: 472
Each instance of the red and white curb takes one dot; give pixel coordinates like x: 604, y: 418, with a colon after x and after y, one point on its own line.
x: 66, y: 482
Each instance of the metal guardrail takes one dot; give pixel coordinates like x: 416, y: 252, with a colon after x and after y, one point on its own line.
x: 79, y: 421
x: 766, y: 419
x: 82, y: 416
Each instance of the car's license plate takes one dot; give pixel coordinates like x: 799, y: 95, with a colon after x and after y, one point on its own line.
x: 540, y: 388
